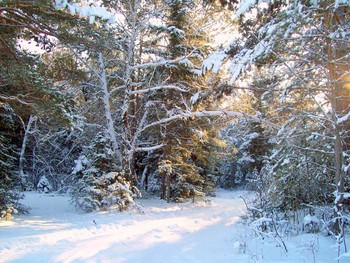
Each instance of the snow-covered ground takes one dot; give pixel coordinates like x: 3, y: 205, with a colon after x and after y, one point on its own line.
x: 201, y: 232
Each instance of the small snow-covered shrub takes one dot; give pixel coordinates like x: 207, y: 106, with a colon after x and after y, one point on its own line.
x: 117, y: 191
x: 94, y: 192
x: 44, y: 185
x: 153, y: 185
x: 9, y: 204
x: 95, y: 186
x: 311, y: 224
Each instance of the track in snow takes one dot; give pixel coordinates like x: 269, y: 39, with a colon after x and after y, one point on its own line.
x: 55, y: 232
x: 165, y: 233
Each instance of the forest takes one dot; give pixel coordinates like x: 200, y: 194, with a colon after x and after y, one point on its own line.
x: 112, y: 100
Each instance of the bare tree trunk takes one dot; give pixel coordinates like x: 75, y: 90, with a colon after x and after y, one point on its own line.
x: 168, y: 187
x: 27, y: 132
x: 162, y: 187
x: 128, y: 118
x: 107, y: 108
x: 144, y: 178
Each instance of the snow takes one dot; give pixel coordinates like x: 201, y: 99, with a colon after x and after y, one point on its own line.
x: 44, y: 185
x: 79, y: 164
x: 90, y: 11
x: 195, y: 98
x: 186, y: 62
x: 244, y: 6
x: 178, y: 32
x: 344, y: 255
x: 285, y: 161
x: 214, y: 62
x: 308, y: 219
x: 344, y: 118
x: 191, y: 232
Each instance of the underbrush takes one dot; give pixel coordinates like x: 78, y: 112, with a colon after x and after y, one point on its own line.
x: 277, y: 226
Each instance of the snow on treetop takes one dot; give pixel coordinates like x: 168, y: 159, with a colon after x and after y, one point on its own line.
x: 80, y: 163
x: 245, y: 6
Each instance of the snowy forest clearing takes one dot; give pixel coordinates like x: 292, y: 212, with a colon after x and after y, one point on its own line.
x: 120, y: 97
x: 199, y: 232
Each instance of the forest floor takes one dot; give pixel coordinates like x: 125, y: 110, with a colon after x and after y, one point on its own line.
x: 191, y: 232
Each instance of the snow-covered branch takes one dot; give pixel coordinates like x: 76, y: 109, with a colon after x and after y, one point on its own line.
x: 161, y: 87
x: 344, y: 118
x: 89, y: 11
x: 218, y: 113
x: 14, y: 99
x: 117, y: 88
x: 82, y: 60
x: 148, y: 149
x: 163, y: 62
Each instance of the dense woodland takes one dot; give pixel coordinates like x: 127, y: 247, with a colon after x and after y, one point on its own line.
x: 113, y: 99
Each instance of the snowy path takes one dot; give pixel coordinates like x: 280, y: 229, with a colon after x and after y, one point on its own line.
x: 55, y: 232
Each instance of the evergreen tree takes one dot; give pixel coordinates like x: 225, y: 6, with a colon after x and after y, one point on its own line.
x: 9, y: 182
x: 97, y: 184
x: 302, y: 44
x: 187, y: 147
x: 26, y: 90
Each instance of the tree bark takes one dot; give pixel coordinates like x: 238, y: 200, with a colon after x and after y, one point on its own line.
x: 338, y: 94
x: 27, y: 132
x: 107, y: 108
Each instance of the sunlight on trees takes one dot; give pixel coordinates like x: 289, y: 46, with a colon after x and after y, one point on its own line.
x: 148, y: 97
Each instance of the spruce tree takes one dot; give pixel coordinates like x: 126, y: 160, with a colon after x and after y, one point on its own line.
x: 187, y: 147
